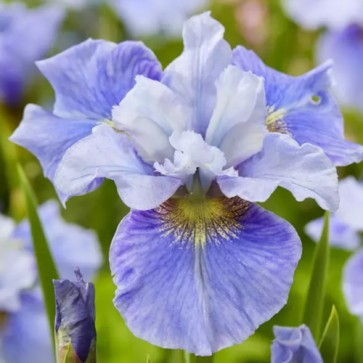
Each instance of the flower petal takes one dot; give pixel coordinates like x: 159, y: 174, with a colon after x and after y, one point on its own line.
x: 107, y: 153
x: 95, y: 75
x: 303, y: 107
x: 192, y: 76
x: 149, y: 114
x: 294, y: 345
x: 201, y: 276
x: 341, y: 235
x: 48, y: 137
x: 25, y: 336
x: 303, y: 170
x: 353, y: 284
x: 237, y: 125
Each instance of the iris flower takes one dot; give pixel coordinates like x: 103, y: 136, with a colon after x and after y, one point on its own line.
x: 24, y: 333
x: 197, y: 264
x: 345, y: 228
x: 20, y: 48
x: 294, y: 345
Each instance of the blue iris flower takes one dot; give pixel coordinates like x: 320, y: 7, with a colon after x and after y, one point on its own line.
x: 197, y: 264
x: 152, y: 17
x: 294, y: 345
x: 20, y: 48
x: 89, y: 79
x: 345, y: 228
x: 21, y: 302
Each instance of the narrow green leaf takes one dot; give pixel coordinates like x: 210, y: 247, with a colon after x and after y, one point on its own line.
x: 148, y: 360
x: 186, y: 356
x: 315, y: 299
x: 358, y: 339
x: 329, y: 344
x: 47, y: 270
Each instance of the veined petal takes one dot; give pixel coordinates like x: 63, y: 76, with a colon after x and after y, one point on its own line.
x: 341, y: 234
x: 95, y: 75
x: 48, y: 137
x: 201, y: 275
x: 25, y: 335
x: 294, y: 345
x: 303, y: 170
x: 353, y: 285
x: 303, y: 107
x: 192, y: 76
x: 237, y: 125
x: 107, y: 153
x: 149, y: 114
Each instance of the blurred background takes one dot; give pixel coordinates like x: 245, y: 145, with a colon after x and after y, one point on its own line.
x: 261, y: 25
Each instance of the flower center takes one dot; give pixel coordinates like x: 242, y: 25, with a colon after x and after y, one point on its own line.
x: 275, y: 122
x: 202, y: 219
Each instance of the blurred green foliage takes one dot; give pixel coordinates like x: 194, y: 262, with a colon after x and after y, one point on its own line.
x: 284, y: 47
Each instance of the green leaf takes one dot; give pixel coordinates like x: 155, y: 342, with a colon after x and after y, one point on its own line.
x: 329, y: 344
x: 47, y: 270
x: 316, y: 295
x: 186, y: 357
x: 148, y: 360
x: 208, y: 359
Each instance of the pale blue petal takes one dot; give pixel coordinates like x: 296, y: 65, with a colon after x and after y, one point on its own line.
x: 237, y: 126
x: 341, y: 235
x: 25, y: 337
x: 192, y: 75
x: 303, y: 170
x: 108, y: 153
x: 303, y: 107
x: 95, y: 75
x: 182, y: 289
x: 48, y: 137
x: 294, y: 345
x: 150, y: 113
x: 71, y: 245
x: 345, y: 47
x: 353, y: 284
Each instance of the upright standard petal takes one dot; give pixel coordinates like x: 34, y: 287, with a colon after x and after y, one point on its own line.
x: 237, y: 126
x: 192, y: 76
x: 95, y: 75
x: 189, y: 274
x: 353, y: 284
x: 345, y: 47
x: 48, y: 137
x: 150, y: 113
x: 303, y: 170
x: 25, y: 335
x: 71, y: 245
x: 303, y: 107
x: 294, y: 345
x: 107, y: 153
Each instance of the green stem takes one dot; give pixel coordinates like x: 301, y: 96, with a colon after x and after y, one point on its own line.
x: 208, y: 359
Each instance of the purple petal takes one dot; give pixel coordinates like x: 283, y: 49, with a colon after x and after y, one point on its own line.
x: 95, y: 75
x: 353, y: 284
x: 303, y: 170
x: 192, y: 75
x: 107, y: 153
x: 303, y: 107
x: 294, y: 345
x: 202, y: 276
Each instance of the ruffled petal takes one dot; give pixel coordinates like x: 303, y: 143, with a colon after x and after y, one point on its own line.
x: 149, y: 114
x: 303, y: 170
x: 353, y: 284
x: 48, y: 137
x: 192, y: 76
x: 95, y: 75
x: 294, y: 345
x: 303, y: 107
x: 202, y: 275
x: 237, y: 126
x: 25, y: 337
x: 108, y: 153
x: 341, y: 235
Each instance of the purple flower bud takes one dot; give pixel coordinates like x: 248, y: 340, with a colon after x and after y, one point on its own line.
x: 75, y: 321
